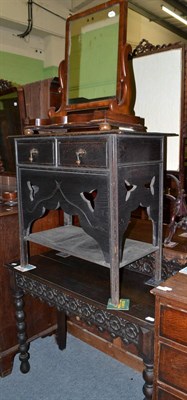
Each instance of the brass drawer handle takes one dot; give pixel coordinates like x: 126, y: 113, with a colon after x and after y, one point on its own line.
x: 79, y: 154
x: 33, y: 154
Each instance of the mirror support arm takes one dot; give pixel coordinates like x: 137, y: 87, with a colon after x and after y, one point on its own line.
x: 60, y: 113
x: 123, y: 103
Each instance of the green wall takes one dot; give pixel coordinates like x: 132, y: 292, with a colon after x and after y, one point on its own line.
x: 21, y: 70
x: 93, y: 63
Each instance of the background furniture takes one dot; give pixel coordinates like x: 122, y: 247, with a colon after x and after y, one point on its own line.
x: 39, y: 97
x: 171, y: 340
x: 20, y: 106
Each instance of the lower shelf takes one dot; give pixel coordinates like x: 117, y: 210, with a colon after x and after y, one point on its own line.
x: 71, y: 240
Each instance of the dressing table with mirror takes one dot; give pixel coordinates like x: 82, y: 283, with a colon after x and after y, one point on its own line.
x: 89, y: 154
x: 94, y: 160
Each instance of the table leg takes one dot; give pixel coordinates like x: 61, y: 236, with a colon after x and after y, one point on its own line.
x: 61, y: 333
x: 21, y: 329
x: 148, y: 378
x: 147, y: 353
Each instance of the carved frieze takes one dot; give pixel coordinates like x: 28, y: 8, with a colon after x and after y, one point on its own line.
x: 89, y: 313
x: 146, y: 266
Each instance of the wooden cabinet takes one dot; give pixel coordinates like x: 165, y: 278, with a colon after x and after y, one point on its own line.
x: 171, y: 339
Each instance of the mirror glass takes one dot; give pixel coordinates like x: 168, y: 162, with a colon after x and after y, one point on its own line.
x: 93, y: 56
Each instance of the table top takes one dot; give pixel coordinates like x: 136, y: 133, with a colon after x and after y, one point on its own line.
x: 177, y: 288
x: 6, y: 210
x: 58, y: 131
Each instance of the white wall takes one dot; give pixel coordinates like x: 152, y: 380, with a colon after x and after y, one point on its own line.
x: 15, y: 12
x: 47, y: 39
x: 139, y: 28
x: 31, y: 46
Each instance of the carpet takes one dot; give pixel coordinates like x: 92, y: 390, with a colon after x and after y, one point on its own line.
x: 80, y: 372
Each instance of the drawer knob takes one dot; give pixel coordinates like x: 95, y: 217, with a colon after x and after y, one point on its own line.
x: 79, y: 154
x: 33, y: 154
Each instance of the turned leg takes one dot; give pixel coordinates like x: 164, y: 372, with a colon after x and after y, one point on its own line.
x: 61, y: 333
x: 148, y: 378
x: 146, y: 347
x: 21, y: 331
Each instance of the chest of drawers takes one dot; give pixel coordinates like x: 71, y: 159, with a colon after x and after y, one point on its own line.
x: 171, y: 340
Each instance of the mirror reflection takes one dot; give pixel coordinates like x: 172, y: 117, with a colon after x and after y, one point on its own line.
x: 93, y: 56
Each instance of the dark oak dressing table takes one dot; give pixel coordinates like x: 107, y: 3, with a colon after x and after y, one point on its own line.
x: 95, y: 160
x: 100, y: 178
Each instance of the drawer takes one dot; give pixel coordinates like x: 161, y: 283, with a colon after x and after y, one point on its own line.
x: 33, y: 152
x: 173, y: 324
x: 163, y: 395
x: 173, y: 367
x: 133, y: 150
x: 80, y: 153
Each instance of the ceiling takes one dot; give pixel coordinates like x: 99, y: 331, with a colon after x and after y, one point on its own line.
x: 150, y: 9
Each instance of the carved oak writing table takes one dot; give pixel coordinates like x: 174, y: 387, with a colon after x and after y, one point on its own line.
x: 101, y: 178
x: 80, y: 288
